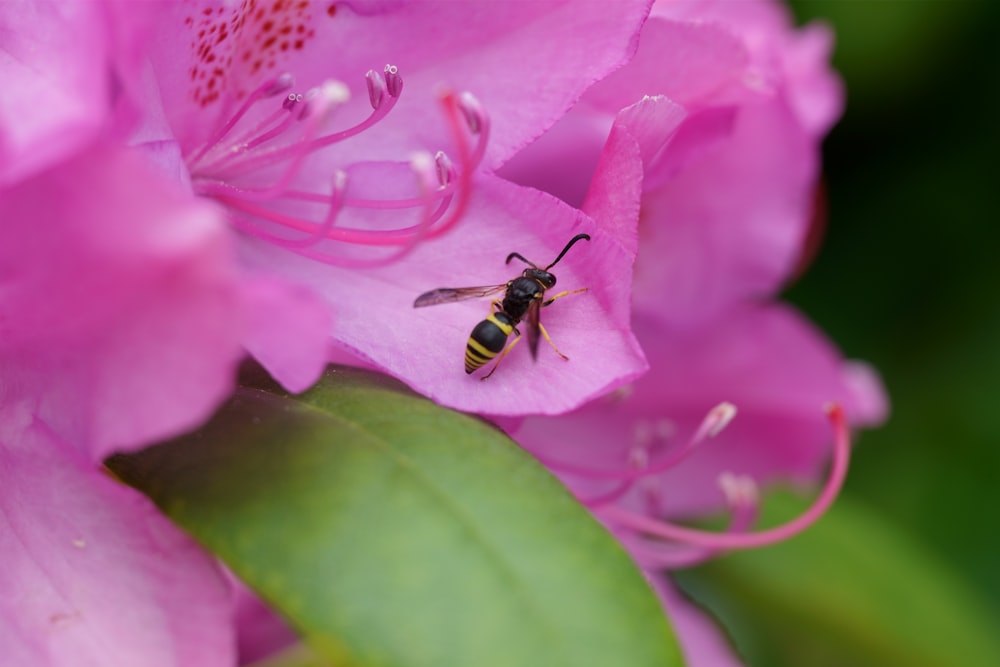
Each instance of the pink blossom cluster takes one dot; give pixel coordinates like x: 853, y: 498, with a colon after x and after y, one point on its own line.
x: 184, y: 184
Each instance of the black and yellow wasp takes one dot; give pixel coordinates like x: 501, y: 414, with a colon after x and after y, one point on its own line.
x: 523, y: 300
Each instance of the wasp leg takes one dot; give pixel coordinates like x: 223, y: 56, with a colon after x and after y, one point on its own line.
x: 561, y: 294
x: 504, y: 354
x: 546, y: 334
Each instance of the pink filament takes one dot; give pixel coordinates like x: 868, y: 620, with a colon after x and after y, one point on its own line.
x: 711, y: 540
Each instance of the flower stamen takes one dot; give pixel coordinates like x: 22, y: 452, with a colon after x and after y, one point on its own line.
x: 717, y: 541
x: 255, y: 180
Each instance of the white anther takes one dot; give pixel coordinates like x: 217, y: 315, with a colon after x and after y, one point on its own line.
x: 339, y: 180
x: 472, y: 110
x: 445, y: 168
x: 718, y: 418
x: 740, y: 490
x: 335, y: 92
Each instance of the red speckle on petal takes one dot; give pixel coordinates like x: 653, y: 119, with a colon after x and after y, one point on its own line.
x: 331, y: 11
x: 252, y: 31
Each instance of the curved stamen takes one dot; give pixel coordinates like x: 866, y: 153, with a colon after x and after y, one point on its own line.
x: 714, y: 540
x: 463, y: 180
x: 478, y: 121
x: 444, y: 189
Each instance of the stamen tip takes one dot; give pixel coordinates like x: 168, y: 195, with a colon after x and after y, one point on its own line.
x: 721, y: 415
x: 339, y: 180
x: 445, y: 168
x: 740, y: 490
x: 376, y: 88
x: 472, y: 110
x: 393, y: 80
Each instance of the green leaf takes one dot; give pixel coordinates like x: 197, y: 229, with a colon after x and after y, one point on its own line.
x: 853, y: 590
x: 390, y: 531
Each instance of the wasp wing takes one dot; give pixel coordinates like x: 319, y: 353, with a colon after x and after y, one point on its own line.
x: 452, y: 294
x: 533, y: 318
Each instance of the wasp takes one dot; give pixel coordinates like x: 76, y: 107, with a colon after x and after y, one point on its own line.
x: 523, y: 299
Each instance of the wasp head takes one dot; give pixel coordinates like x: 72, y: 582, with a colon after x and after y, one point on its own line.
x: 546, y: 279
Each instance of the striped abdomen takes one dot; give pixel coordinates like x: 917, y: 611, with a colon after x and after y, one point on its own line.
x: 487, y: 340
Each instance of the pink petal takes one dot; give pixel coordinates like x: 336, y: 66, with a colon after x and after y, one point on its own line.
x: 774, y: 366
x: 564, y: 159
x: 121, y: 316
x: 695, y: 64
x: 797, y: 61
x: 425, y: 347
x: 56, y: 82
x: 815, y: 91
x: 639, y: 133
x: 527, y: 62
x: 288, y: 331
x: 730, y: 225
x: 259, y: 630
x: 92, y: 574
x: 703, y: 643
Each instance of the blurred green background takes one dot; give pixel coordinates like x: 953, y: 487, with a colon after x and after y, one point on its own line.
x: 907, y: 278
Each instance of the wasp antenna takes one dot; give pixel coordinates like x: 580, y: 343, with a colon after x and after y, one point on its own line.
x: 518, y: 255
x: 568, y: 246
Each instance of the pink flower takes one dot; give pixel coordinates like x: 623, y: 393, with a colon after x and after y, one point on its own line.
x: 715, y: 125
x: 345, y: 180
